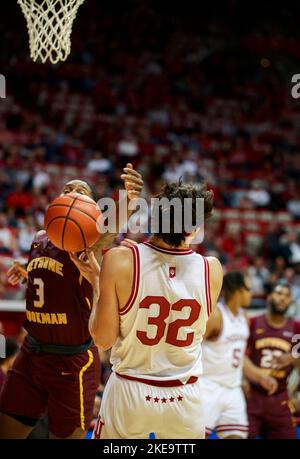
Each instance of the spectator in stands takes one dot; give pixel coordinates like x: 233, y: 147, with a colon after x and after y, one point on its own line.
x: 173, y: 171
x: 7, y: 239
x: 26, y: 234
x: 127, y: 148
x: 273, y: 244
x: 293, y: 205
x: 259, y: 195
x: 20, y: 200
x: 293, y: 280
x: 259, y: 276
x: 294, y: 247
x: 99, y: 164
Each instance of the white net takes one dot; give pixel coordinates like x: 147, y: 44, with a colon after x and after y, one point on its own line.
x: 49, y: 24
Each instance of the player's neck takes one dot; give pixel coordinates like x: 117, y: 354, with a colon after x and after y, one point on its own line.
x: 160, y: 243
x: 234, y: 306
x: 276, y: 320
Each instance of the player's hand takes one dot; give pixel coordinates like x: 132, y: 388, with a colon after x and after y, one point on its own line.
x: 88, y: 266
x: 269, y: 383
x: 283, y: 361
x: 133, y: 181
x: 128, y: 242
x: 16, y: 273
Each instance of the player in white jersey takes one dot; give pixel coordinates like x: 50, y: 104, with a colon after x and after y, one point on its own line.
x: 223, y: 361
x: 155, y: 328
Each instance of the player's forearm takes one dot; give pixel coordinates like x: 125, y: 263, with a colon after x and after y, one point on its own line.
x: 93, y: 316
x: 251, y: 371
x: 100, y: 330
x: 98, y: 327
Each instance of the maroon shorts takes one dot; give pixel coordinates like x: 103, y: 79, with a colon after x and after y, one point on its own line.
x: 63, y: 385
x: 270, y: 415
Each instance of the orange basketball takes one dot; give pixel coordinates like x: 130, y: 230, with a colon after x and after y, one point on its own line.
x: 71, y: 222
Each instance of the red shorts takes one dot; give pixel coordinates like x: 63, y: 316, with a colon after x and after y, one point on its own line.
x: 270, y: 415
x: 63, y: 385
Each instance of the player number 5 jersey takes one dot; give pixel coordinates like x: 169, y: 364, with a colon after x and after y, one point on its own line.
x: 223, y: 357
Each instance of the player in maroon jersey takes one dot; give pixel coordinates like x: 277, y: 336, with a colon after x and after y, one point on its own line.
x: 271, y: 337
x: 57, y: 368
x: 6, y: 363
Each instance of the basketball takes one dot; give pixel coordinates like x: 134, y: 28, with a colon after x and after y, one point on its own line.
x: 71, y: 222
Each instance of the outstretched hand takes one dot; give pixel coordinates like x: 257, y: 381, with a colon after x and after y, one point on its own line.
x: 16, y: 273
x: 133, y: 181
x: 282, y: 361
x: 88, y: 266
x: 269, y: 383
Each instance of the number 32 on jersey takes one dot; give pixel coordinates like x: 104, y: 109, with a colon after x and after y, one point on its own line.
x: 173, y: 328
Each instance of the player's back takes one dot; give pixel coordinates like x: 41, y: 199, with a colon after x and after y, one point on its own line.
x: 223, y: 356
x: 163, y: 322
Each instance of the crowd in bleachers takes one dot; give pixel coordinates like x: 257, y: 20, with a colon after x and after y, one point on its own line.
x: 208, y: 100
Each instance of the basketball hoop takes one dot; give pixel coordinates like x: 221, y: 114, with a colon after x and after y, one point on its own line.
x: 49, y: 24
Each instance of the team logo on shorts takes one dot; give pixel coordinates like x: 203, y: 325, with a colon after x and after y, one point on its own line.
x: 172, y: 272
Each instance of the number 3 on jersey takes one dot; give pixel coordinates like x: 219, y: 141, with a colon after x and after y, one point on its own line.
x: 39, y: 283
x: 173, y: 328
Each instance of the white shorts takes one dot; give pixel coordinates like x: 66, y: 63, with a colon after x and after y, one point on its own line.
x: 225, y: 409
x: 132, y: 409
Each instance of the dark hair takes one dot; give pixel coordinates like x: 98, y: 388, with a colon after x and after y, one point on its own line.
x: 182, y: 191
x: 11, y: 349
x: 232, y: 282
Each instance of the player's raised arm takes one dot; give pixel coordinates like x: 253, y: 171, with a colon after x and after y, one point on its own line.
x: 213, y: 325
x: 16, y: 273
x: 104, y: 320
x: 133, y: 184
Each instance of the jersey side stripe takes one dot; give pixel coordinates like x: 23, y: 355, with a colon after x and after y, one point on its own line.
x: 133, y: 282
x: 208, y: 285
x: 207, y: 289
x: 136, y: 281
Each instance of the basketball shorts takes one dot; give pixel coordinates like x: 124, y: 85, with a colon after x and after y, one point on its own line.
x: 64, y: 385
x: 225, y: 409
x: 133, y: 409
x: 270, y: 416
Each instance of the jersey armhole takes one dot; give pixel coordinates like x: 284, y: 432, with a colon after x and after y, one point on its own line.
x: 135, y: 281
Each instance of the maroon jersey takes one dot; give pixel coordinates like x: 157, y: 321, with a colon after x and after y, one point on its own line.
x: 267, y: 342
x: 58, y: 298
x: 2, y: 378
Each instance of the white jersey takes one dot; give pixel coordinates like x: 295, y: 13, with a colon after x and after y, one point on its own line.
x: 223, y: 357
x: 163, y: 322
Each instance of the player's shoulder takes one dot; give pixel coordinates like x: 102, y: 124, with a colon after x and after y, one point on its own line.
x: 215, y: 266
x: 118, y: 251
x: 120, y: 256
x: 257, y: 321
x: 215, y: 272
